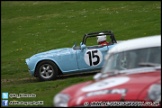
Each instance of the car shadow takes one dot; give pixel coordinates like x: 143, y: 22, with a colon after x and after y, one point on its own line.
x: 60, y: 77
x: 76, y: 75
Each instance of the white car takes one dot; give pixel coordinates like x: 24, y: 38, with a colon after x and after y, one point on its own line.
x: 134, y: 53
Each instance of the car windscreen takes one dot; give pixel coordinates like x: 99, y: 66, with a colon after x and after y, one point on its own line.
x: 132, y: 59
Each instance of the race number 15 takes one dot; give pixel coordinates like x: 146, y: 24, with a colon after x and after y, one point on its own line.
x: 93, y: 57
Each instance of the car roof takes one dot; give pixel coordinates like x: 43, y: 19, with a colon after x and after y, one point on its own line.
x: 137, y: 43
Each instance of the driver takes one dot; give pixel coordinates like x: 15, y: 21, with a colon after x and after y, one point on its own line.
x: 101, y: 40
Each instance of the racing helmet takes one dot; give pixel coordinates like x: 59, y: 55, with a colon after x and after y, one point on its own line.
x: 101, y: 38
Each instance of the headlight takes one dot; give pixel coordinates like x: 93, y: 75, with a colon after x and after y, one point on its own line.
x: 27, y: 60
x: 154, y: 92
x: 61, y: 100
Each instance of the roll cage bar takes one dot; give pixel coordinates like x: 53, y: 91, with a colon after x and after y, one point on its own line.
x: 95, y: 34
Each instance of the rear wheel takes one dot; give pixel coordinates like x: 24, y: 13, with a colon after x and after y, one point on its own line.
x: 47, y: 70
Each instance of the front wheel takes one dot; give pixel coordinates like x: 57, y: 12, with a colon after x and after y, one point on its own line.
x: 47, y: 70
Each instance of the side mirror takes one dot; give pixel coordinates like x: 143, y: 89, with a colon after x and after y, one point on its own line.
x: 74, y: 45
x: 97, y: 76
x: 83, y: 47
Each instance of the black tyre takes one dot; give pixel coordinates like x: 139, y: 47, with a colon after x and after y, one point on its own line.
x: 47, y: 70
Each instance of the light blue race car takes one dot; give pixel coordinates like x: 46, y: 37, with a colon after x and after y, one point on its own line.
x: 51, y: 64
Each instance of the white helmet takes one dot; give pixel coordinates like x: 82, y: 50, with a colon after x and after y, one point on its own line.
x: 101, y: 38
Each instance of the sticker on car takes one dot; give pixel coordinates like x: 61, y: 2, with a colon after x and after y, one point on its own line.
x: 106, y: 83
x: 93, y: 57
x: 103, y: 92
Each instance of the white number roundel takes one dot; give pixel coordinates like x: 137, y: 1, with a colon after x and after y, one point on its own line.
x: 93, y: 57
x: 106, y: 83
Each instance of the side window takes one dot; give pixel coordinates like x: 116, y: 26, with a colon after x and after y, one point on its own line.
x: 155, y: 55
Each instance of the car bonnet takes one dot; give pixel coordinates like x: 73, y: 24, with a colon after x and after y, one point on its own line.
x: 114, y: 88
x: 55, y: 51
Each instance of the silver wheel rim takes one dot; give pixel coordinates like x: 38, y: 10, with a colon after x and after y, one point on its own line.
x: 46, y: 71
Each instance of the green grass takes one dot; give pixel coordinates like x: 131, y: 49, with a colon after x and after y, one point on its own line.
x: 34, y: 26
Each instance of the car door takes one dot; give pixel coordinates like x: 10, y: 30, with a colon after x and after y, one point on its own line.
x: 90, y: 58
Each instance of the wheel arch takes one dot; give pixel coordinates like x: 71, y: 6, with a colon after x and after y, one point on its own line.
x: 36, y: 74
